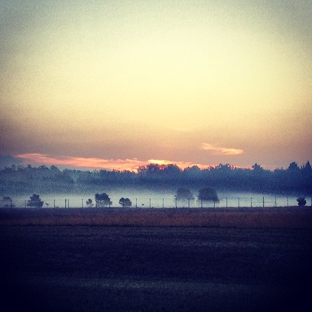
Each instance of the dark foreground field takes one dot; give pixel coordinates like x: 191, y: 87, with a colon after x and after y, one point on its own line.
x: 139, y: 268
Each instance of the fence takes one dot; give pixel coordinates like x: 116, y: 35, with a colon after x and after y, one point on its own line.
x: 164, y: 202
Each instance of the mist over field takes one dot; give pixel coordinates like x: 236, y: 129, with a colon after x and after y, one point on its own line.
x: 157, y: 185
x: 141, y: 198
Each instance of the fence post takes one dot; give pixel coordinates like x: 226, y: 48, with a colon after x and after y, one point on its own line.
x: 287, y: 201
x: 263, y: 201
x: 226, y: 202
x: 251, y: 202
x: 238, y: 202
x: 65, y: 203
x: 136, y: 203
x: 163, y: 203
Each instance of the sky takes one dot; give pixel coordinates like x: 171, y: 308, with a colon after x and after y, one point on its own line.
x: 119, y: 84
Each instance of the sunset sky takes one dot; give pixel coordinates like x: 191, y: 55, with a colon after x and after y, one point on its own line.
x: 117, y: 84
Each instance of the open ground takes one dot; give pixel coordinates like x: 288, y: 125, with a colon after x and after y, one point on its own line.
x: 213, y: 265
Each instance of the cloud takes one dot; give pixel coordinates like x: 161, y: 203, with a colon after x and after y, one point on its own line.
x: 97, y: 163
x: 216, y: 150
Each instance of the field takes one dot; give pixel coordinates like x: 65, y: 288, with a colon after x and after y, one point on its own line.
x: 69, y: 260
x: 282, y: 217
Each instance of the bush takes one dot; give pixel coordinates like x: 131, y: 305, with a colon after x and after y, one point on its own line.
x: 35, y: 201
x: 102, y: 200
x: 125, y: 202
x: 89, y: 202
x: 301, y: 201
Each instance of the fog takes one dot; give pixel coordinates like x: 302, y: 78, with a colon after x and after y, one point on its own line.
x: 162, y: 199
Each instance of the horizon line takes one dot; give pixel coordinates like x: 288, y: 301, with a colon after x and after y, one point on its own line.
x: 128, y: 164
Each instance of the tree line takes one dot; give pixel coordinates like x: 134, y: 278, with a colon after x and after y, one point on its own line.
x: 103, y: 200
x: 43, y: 179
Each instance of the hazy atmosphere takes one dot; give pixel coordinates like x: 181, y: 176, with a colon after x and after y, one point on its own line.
x: 155, y: 155
x: 119, y: 84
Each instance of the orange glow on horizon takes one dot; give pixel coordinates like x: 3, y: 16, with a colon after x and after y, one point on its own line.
x: 99, y: 163
x: 180, y: 164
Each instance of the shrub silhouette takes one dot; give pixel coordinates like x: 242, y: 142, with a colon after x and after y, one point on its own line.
x: 102, y: 200
x: 125, y: 202
x: 301, y: 201
x: 89, y: 202
x: 35, y: 201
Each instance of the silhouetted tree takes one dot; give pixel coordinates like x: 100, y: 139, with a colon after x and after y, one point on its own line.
x: 307, y: 169
x: 208, y: 194
x: 192, y: 172
x: 301, y: 201
x: 125, y: 202
x: 257, y: 168
x: 89, y: 202
x: 183, y: 193
x: 150, y: 169
x: 35, y: 201
x: 54, y: 168
x: 171, y: 170
x: 293, y: 166
x: 7, y: 202
x: 102, y: 200
x: 24, y: 179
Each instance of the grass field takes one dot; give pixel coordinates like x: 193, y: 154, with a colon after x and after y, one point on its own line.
x: 293, y: 217
x: 147, y: 267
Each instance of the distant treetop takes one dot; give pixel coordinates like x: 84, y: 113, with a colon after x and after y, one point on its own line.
x: 24, y: 179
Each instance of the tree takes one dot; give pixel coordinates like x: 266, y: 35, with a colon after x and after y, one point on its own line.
x: 301, y: 201
x: 54, y: 168
x: 35, y: 201
x: 171, y: 170
x: 125, y: 202
x: 102, y: 200
x: 192, y: 172
x: 183, y: 193
x: 89, y: 202
x: 7, y: 202
x: 293, y: 167
x: 307, y: 169
x: 256, y: 168
x: 208, y: 194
